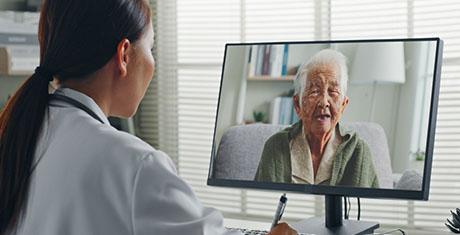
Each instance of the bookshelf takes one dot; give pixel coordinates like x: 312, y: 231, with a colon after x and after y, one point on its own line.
x: 270, y: 73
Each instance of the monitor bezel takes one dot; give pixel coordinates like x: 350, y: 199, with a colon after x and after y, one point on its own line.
x: 343, y: 190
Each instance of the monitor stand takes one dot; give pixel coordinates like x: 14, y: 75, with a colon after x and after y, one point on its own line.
x: 334, y: 224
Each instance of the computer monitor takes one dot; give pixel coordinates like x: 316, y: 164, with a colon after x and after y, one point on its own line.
x: 351, y: 118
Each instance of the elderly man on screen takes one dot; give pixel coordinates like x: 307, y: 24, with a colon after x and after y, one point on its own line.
x: 317, y: 149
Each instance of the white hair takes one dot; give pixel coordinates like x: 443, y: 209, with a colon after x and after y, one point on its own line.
x: 323, y: 57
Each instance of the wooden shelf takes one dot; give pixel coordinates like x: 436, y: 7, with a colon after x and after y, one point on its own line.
x: 288, y: 78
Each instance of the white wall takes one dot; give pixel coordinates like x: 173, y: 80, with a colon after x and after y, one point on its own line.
x: 231, y: 88
x: 413, y: 113
x: 385, y: 106
x: 299, y: 53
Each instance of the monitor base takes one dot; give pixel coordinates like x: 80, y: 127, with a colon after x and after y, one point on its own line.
x: 317, y: 225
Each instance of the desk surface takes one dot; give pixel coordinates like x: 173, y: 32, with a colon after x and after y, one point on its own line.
x: 236, y: 223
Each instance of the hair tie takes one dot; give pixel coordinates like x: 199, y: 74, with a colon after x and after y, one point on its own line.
x: 43, y: 72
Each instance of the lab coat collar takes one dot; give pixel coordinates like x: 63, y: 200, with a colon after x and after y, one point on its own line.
x: 84, y: 99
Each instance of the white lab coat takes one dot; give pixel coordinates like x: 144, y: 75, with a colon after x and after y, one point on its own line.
x: 92, y: 179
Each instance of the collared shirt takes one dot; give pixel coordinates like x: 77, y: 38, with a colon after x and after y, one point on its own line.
x: 93, y: 179
x: 301, y: 160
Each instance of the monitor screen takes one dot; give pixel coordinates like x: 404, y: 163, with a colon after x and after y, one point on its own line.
x: 352, y: 118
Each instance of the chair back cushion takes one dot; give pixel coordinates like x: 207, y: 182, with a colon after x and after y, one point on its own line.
x: 240, y: 150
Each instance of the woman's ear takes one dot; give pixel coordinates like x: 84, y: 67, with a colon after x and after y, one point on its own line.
x: 122, y: 56
x: 344, y: 104
x: 296, y: 102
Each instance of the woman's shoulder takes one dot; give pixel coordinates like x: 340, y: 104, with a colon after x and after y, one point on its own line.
x: 96, y: 144
x: 125, y: 144
x: 119, y: 154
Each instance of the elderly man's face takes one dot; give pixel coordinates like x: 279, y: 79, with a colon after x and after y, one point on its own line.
x: 322, y: 101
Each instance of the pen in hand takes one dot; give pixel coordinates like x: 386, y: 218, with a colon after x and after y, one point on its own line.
x: 279, y: 210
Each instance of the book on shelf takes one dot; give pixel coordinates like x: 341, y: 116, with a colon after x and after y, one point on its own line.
x: 276, y: 60
x: 268, y: 61
x: 260, y: 56
x: 252, y: 60
x: 281, y: 111
x: 274, y: 111
x: 285, y: 59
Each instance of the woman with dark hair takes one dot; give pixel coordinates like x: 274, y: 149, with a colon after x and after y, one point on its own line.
x: 63, y: 168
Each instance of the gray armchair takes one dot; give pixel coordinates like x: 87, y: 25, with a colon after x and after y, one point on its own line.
x: 241, y: 147
x: 240, y: 150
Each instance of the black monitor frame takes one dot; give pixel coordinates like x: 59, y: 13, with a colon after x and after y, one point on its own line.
x: 342, y: 190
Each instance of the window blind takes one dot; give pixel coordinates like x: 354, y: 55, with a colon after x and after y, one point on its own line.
x: 361, y: 19
x: 441, y: 19
x: 191, y: 38
x: 203, y: 27
x: 276, y: 20
x: 157, y: 116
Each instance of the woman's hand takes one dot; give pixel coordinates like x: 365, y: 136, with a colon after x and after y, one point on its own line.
x: 282, y: 229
